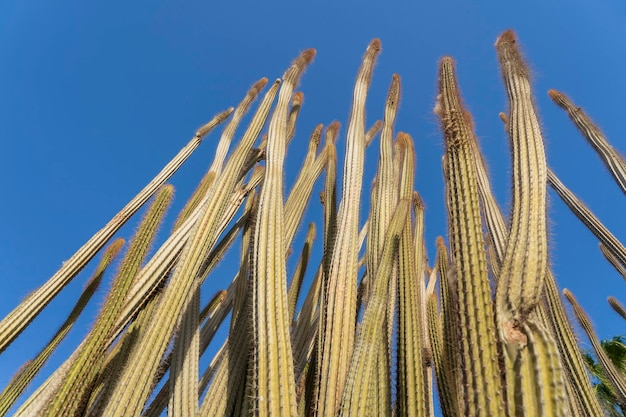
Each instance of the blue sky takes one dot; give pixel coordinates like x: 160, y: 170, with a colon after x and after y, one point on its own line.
x: 95, y: 99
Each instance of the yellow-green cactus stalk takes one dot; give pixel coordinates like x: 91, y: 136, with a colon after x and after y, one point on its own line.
x: 480, y: 373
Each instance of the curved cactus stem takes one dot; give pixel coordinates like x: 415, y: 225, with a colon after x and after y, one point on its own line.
x: 526, y: 257
x: 338, y: 313
x: 273, y: 384
x: 551, y: 310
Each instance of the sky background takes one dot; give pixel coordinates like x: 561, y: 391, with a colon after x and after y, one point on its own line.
x: 96, y: 98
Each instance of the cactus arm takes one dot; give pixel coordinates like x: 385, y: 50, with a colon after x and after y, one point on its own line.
x: 612, y: 159
x: 231, y: 127
x: 610, y: 256
x: 371, y: 133
x: 588, y: 218
x: 72, y: 397
x: 576, y: 375
x: 617, y: 307
x: 18, y: 319
x: 614, y: 376
x: 20, y: 381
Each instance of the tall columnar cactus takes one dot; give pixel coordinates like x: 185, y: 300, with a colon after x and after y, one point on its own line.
x: 338, y: 306
x: 359, y: 326
x: 273, y: 375
x: 480, y: 374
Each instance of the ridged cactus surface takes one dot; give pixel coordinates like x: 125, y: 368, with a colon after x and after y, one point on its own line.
x: 357, y: 320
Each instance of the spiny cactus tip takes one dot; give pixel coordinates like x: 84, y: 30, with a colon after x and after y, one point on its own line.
x: 447, y: 61
x: 568, y: 294
x: 258, y: 86
x: 440, y: 241
x: 417, y: 200
x: 557, y: 97
x: 375, y: 44
x: 508, y: 36
x: 308, y: 55
x: 405, y: 140
x: 334, y: 125
x: 298, y: 98
x: 117, y: 244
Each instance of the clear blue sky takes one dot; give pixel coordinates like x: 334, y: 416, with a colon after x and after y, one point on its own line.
x: 95, y: 99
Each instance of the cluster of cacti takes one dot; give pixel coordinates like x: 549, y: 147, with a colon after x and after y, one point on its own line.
x: 379, y: 327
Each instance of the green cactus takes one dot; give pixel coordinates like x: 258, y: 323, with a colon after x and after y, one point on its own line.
x: 373, y: 332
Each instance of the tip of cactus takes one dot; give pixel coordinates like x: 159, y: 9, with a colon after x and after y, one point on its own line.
x: 508, y: 36
x: 333, y: 128
x: 417, y: 199
x: 556, y: 96
x: 298, y: 98
x: 375, y: 44
x: 258, y: 86
x: 446, y: 61
x: 309, y: 54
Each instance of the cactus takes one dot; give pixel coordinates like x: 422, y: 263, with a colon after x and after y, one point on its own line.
x: 358, y: 326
